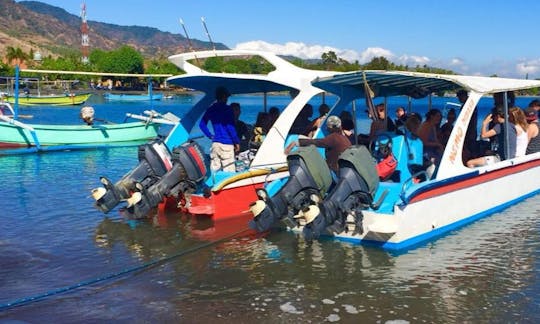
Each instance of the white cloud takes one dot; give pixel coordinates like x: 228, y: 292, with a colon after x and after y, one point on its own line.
x: 413, y: 60
x: 459, y: 65
x: 531, y: 67
x: 305, y: 51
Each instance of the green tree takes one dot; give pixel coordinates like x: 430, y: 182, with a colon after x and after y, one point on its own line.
x: 15, y: 55
x: 161, y: 66
x: 329, y: 58
x: 123, y: 60
x: 379, y: 63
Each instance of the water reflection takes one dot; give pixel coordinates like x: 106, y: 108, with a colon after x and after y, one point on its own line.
x: 463, y: 276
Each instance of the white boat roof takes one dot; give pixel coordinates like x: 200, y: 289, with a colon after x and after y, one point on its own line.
x: 350, y: 86
x: 392, y: 83
x: 285, y: 77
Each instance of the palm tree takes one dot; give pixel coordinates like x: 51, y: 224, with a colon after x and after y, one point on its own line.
x: 15, y: 54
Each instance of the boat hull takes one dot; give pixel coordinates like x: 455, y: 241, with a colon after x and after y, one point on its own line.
x: 232, y: 200
x: 65, y: 137
x: 438, y: 208
x: 63, y: 100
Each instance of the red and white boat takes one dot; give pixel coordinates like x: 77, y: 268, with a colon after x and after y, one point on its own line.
x: 220, y: 194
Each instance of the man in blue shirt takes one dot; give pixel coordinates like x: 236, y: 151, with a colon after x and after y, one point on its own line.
x: 225, y: 141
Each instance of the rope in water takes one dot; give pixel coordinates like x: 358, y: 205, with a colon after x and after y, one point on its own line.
x: 32, y: 299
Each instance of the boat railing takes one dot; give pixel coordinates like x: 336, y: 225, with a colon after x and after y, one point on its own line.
x: 155, y: 117
x: 407, y: 183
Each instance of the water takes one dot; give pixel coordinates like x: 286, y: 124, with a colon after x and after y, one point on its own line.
x: 51, y: 237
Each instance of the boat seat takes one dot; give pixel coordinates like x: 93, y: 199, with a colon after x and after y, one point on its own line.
x: 408, y: 152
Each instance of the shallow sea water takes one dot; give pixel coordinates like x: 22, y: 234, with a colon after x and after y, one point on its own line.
x: 51, y: 238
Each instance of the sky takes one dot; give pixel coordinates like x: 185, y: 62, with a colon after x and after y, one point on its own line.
x: 470, y: 37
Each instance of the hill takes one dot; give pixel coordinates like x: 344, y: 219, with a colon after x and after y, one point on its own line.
x: 33, y: 25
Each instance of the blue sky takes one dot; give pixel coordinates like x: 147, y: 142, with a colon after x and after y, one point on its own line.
x: 474, y: 37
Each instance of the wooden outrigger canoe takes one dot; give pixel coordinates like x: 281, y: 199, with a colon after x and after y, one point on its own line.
x: 17, y: 137
x: 70, y: 99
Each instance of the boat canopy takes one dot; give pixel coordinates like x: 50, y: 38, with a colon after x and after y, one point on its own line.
x: 416, y: 85
x: 235, y: 84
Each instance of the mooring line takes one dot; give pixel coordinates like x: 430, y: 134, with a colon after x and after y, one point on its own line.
x: 32, y: 299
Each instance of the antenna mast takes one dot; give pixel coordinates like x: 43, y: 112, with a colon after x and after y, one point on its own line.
x: 189, y: 41
x: 208, y: 34
x: 85, y: 41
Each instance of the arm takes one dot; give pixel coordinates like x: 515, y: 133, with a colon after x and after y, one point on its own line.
x: 230, y: 127
x: 319, y: 142
x: 485, y: 132
x: 203, y: 125
x: 532, y: 130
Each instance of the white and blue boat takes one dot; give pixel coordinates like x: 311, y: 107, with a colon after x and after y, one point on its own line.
x: 413, y: 205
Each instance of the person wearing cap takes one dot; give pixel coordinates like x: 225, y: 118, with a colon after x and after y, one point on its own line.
x: 87, y: 115
x: 225, y: 141
x: 334, y: 143
x: 532, y: 131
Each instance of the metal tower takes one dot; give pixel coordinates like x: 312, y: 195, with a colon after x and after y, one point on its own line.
x: 85, y: 42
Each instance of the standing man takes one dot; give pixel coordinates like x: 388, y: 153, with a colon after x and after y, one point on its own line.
x: 225, y: 141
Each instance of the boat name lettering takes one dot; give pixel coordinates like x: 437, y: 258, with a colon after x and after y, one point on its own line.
x: 455, y: 144
x: 463, y: 118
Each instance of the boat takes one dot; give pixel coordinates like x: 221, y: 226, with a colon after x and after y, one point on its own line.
x: 69, y: 99
x: 17, y: 137
x: 414, y: 205
x: 132, y: 97
x: 177, y: 168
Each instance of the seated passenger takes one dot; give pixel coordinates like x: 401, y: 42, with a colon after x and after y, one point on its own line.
x: 447, y: 127
x: 259, y: 130
x: 242, y: 130
x: 413, y: 123
x: 532, y: 131
x: 378, y: 126
x: 401, y: 116
x: 273, y: 115
x: 316, y: 123
x: 429, y: 134
x: 497, y: 130
x: 347, y: 126
x: 517, y: 117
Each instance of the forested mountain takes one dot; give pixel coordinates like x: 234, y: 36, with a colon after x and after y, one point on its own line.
x: 36, y: 26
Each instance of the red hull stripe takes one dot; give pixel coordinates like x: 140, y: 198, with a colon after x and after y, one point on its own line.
x: 467, y: 180
x: 195, y: 154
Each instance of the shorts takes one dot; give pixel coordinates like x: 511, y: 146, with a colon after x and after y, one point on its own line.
x: 222, y: 157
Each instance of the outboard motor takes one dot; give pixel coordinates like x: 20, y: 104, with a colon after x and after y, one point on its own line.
x: 309, y: 177
x: 154, y: 162
x: 158, y: 169
x: 189, y: 169
x: 342, y: 207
